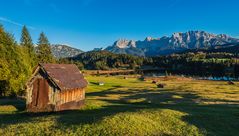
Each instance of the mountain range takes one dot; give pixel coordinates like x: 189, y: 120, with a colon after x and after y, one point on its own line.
x: 176, y: 43
x: 64, y: 51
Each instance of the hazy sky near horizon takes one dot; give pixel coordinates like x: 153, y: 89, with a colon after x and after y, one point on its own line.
x: 87, y: 24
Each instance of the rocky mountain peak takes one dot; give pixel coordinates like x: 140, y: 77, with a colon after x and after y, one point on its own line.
x: 177, y: 42
x: 123, y: 43
x: 148, y: 39
x: 64, y: 51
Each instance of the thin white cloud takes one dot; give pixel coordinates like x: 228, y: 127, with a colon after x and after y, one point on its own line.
x: 14, y: 23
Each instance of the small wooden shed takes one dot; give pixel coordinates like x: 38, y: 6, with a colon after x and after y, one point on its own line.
x: 55, y: 87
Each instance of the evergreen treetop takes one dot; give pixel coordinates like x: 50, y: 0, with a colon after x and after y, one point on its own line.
x: 26, y: 42
x: 44, y: 50
x: 26, y: 39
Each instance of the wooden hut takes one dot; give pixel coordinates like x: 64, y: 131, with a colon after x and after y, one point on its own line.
x: 55, y: 87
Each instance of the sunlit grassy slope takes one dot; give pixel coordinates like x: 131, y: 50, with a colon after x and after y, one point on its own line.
x: 134, y: 107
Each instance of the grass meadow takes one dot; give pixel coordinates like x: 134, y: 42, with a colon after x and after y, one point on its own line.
x: 132, y: 107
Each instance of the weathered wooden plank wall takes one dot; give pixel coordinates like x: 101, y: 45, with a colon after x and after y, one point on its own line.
x: 71, y: 95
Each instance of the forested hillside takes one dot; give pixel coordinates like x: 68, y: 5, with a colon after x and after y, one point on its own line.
x: 203, y: 64
x: 104, y: 60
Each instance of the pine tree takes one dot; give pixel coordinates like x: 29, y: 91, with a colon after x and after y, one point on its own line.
x: 44, y: 50
x: 26, y: 42
x: 26, y: 38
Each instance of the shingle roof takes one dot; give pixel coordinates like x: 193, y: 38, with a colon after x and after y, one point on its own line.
x: 66, y: 76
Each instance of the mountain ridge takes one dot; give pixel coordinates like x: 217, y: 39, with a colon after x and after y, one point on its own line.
x: 165, y: 45
x: 64, y: 51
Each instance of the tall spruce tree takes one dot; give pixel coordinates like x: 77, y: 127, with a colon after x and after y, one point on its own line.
x: 44, y: 53
x: 26, y: 42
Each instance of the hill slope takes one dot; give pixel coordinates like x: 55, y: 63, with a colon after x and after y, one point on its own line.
x: 64, y: 51
x: 104, y: 60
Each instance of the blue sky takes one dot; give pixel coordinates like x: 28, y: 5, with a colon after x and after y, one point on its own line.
x: 87, y: 24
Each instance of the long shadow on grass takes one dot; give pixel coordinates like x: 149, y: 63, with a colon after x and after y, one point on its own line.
x: 16, y: 117
x: 220, y: 119
x: 215, y: 119
x: 19, y: 103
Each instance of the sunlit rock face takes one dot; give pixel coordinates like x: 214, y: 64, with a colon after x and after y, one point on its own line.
x: 167, y: 45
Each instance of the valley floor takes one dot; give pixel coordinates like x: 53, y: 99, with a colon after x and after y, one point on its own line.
x: 134, y: 107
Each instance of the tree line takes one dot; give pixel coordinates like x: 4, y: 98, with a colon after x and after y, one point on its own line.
x: 105, y: 60
x: 218, y: 64
x: 203, y: 64
x: 17, y: 60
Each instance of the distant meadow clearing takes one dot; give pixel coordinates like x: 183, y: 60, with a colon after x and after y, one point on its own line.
x: 129, y: 106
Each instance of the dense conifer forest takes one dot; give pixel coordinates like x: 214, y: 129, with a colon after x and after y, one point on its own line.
x: 200, y: 64
x: 17, y: 60
x: 216, y: 64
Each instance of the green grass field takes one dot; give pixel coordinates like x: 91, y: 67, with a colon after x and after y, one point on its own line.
x: 133, y: 107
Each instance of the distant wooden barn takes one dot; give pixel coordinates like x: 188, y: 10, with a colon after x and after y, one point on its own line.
x: 55, y: 87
